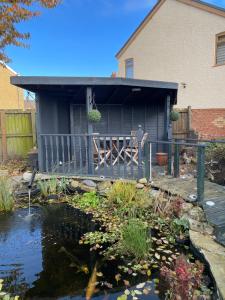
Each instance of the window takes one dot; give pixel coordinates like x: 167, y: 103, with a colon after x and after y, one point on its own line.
x: 220, y: 49
x: 129, y: 68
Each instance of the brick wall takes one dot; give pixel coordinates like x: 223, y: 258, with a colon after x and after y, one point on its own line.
x: 209, y: 123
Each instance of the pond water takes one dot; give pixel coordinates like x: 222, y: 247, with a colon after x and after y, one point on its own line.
x: 40, y: 257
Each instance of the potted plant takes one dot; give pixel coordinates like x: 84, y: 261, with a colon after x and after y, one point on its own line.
x: 161, y: 158
x: 94, y: 116
x: 174, y: 116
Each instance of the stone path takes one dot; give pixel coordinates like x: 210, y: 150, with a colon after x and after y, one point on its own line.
x: 187, y: 189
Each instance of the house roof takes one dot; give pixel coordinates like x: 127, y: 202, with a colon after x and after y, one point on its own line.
x: 210, y: 8
x: 7, y: 67
x: 104, y: 88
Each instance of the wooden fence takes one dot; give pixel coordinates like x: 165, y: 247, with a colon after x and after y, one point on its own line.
x: 17, y: 133
x: 182, y: 129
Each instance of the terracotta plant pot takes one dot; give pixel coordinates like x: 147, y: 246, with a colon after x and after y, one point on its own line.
x: 162, y: 158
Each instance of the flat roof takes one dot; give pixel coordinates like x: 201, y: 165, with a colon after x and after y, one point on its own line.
x: 33, y: 83
x: 106, y: 90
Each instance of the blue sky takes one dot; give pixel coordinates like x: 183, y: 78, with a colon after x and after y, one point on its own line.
x: 79, y: 37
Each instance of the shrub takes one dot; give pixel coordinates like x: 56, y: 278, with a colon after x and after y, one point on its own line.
x: 174, y: 115
x: 6, y: 197
x: 135, y: 239
x: 94, y: 116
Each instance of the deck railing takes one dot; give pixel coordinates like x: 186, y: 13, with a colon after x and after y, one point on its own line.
x: 119, y: 156
x: 175, y: 151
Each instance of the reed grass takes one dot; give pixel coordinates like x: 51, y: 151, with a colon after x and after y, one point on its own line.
x: 136, y: 240
x: 6, y: 196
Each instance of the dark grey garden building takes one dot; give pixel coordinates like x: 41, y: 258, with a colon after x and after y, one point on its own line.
x: 69, y: 143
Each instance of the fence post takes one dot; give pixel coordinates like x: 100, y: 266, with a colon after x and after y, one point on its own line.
x: 170, y: 158
x: 147, y: 160
x: 4, y: 137
x: 201, y: 172
x: 33, y: 125
x: 140, y: 134
x: 177, y: 160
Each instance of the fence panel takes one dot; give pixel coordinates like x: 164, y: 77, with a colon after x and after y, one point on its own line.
x: 182, y: 127
x: 18, y: 133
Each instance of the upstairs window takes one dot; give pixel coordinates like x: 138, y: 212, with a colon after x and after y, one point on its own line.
x: 220, y: 49
x: 129, y: 68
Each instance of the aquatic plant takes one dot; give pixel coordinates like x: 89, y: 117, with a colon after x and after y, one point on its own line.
x: 52, y: 185
x: 121, y: 193
x: 185, y: 279
x: 44, y: 187
x: 87, y: 200
x: 126, y: 198
x: 62, y: 185
x: 136, y: 239
x: 6, y: 197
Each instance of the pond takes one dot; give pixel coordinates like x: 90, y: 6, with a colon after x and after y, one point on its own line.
x: 40, y: 257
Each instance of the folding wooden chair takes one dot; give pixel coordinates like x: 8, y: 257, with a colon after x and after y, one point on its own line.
x: 132, y: 150
x: 100, y: 155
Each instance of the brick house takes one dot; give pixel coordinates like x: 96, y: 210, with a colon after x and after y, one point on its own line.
x: 183, y: 41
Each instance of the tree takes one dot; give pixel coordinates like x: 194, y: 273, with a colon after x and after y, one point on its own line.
x: 13, y: 12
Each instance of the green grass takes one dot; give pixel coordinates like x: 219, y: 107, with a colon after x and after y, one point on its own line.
x: 136, y: 239
x: 6, y: 197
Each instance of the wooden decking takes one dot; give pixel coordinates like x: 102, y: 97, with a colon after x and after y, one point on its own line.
x: 187, y: 189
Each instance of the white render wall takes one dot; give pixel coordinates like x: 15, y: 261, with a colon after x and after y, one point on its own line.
x: 178, y: 45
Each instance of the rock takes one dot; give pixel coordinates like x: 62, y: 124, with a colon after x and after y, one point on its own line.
x: 186, y: 207
x: 89, y: 183
x: 207, y: 228
x: 197, y: 226
x: 27, y: 176
x: 143, y: 181
x: 139, y: 186
x: 196, y: 213
x: 86, y: 189
x: 74, y: 184
x: 38, y: 176
x: 154, y: 193
x: 103, y: 187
